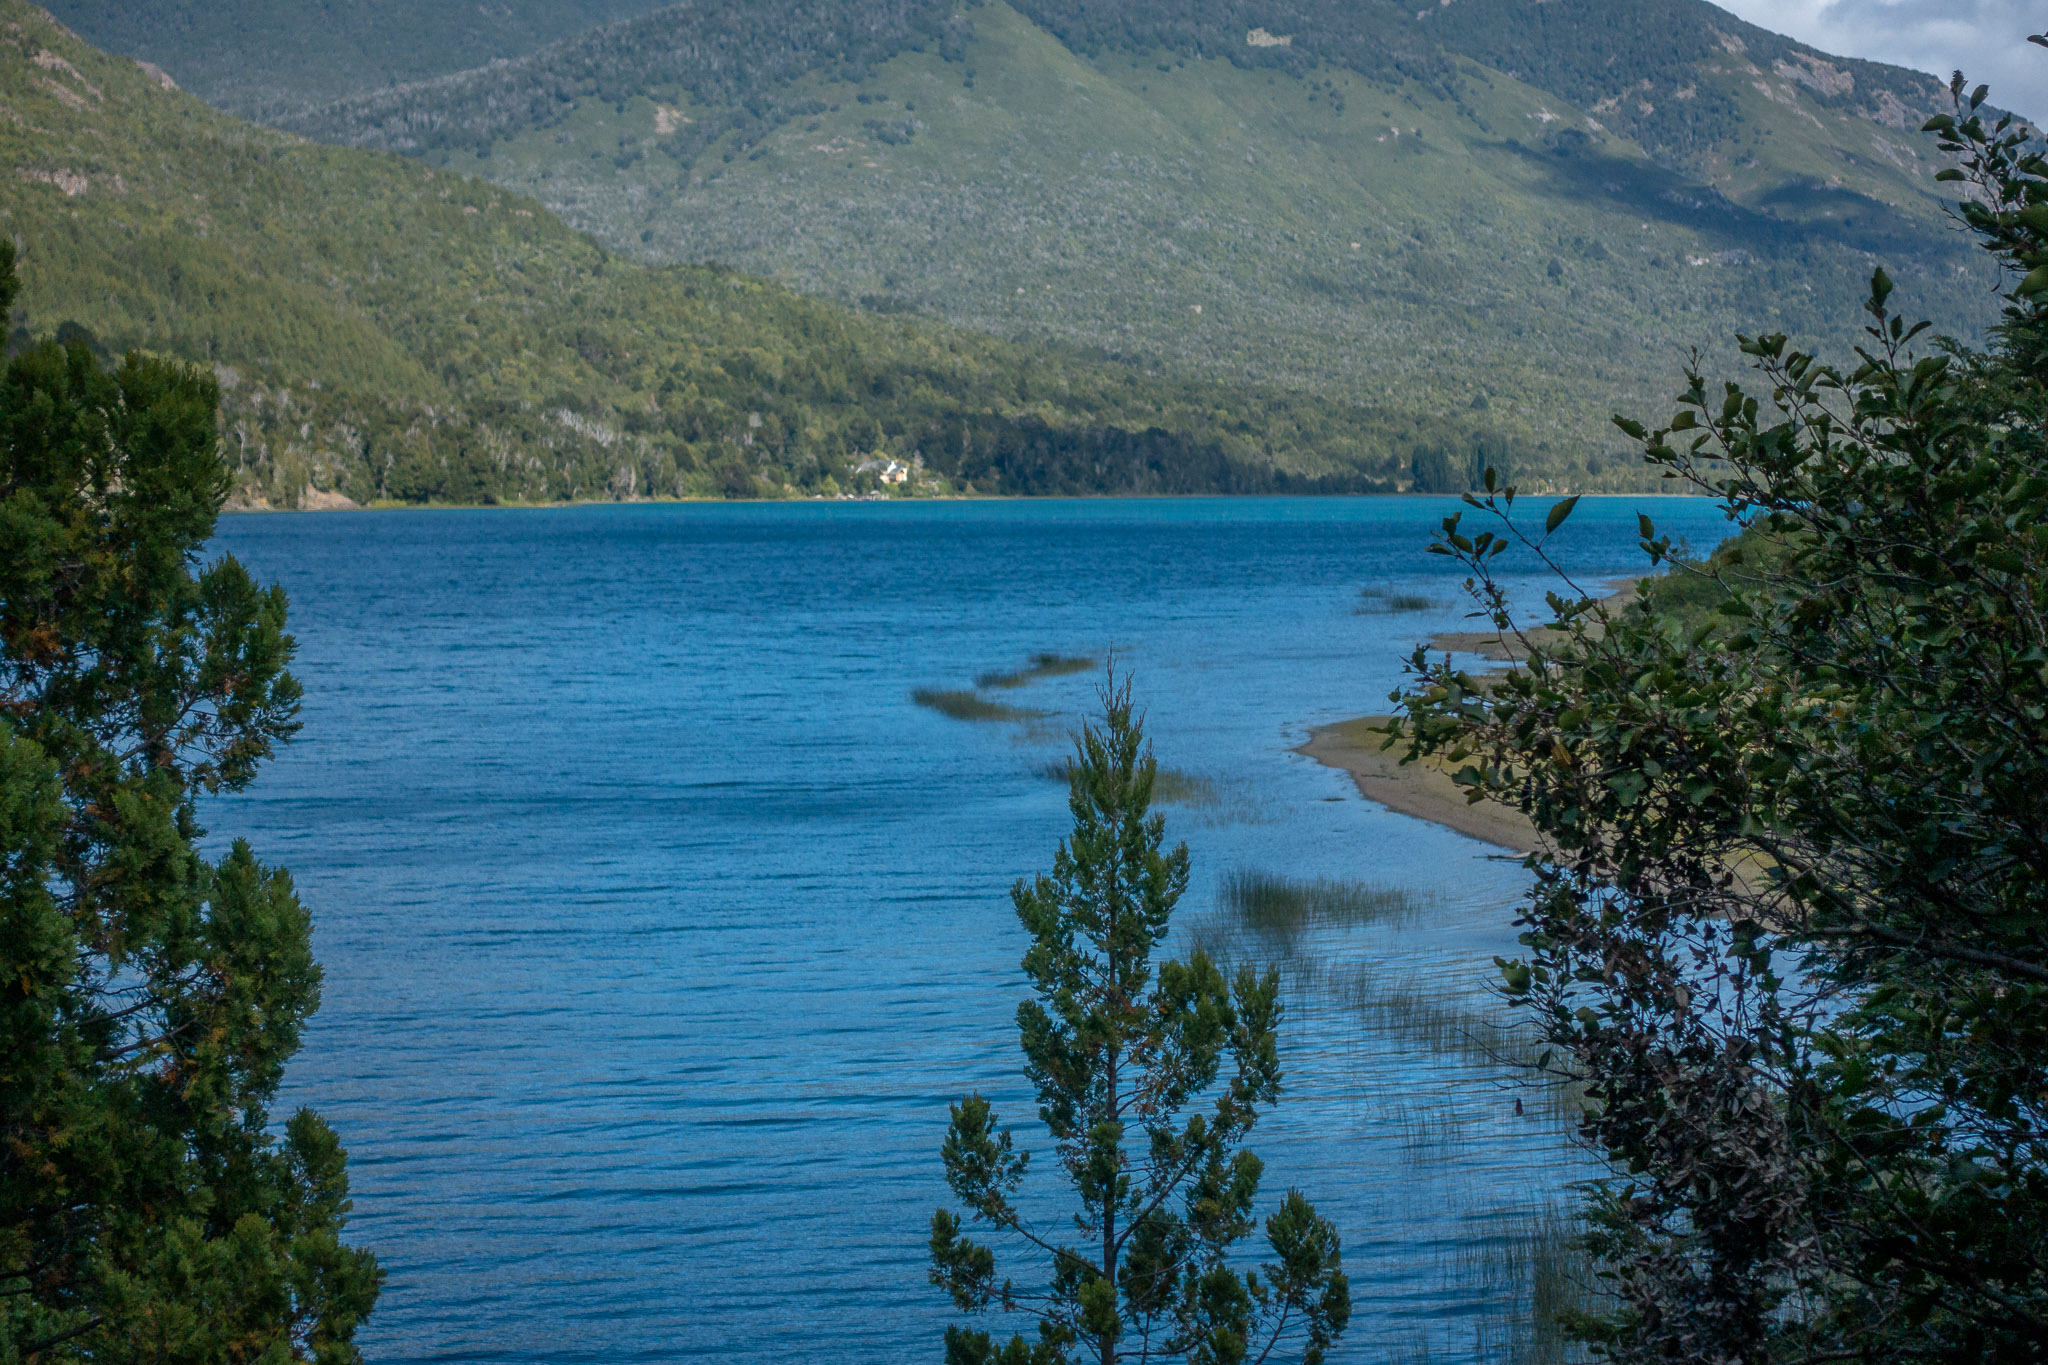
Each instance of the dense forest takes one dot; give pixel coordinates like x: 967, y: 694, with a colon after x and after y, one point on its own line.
x: 1576, y: 49
x: 384, y: 331
x: 736, y: 58
x: 1437, y: 215
x: 739, y: 57
x: 261, y: 58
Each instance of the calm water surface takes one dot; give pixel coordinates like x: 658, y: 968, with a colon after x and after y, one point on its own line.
x: 660, y: 926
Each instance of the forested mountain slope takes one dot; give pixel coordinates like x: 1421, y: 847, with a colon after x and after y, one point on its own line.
x: 1485, y: 205
x: 386, y: 330
x: 269, y: 57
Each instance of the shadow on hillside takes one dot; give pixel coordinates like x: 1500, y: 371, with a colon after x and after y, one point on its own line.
x: 1807, y: 213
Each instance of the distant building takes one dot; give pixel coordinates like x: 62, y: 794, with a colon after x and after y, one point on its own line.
x: 886, y: 470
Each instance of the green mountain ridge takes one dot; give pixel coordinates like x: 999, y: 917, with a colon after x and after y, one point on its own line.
x: 266, y: 58
x: 1374, y: 209
x: 384, y: 330
x: 1341, y: 244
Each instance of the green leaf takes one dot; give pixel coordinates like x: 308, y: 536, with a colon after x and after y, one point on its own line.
x: 1558, y: 514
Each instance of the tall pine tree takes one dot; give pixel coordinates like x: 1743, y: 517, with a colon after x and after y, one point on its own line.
x: 1149, y: 1081
x: 149, y: 997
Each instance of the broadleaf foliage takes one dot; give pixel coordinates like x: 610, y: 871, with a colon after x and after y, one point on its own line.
x: 1789, y: 929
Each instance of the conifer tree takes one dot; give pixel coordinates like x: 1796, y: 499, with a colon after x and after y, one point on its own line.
x: 1149, y: 1081
x: 149, y: 996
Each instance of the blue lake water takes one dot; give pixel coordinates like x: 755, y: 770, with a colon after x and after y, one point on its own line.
x: 660, y: 926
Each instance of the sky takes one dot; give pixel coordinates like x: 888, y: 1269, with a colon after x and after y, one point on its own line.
x: 1986, y: 38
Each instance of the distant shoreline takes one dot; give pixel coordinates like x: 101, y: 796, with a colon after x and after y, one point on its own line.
x: 247, y: 509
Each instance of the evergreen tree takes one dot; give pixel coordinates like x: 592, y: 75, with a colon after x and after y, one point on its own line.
x: 1120, y: 1053
x: 149, y: 997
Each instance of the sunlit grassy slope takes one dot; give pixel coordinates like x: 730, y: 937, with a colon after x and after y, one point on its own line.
x: 1456, y: 244
x: 386, y: 330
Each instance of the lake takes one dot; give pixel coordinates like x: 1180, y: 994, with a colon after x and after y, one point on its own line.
x: 660, y: 925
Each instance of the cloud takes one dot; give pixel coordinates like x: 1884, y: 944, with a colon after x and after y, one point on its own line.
x: 1986, y: 39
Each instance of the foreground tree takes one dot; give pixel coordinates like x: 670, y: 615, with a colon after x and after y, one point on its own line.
x: 1791, y: 930
x: 149, y: 998
x: 1118, y: 1054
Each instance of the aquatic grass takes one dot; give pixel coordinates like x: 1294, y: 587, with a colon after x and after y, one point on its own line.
x: 1261, y: 917
x: 1525, y: 1270
x: 1040, y: 666
x: 962, y: 704
x: 1412, y: 1352
x: 1286, y: 907
x: 1040, y: 730
x: 1431, y: 1133
x: 1533, y: 1270
x: 1432, y: 1019
x: 1171, y: 787
x: 1380, y: 602
x: 1431, y: 1016
x: 1528, y: 1268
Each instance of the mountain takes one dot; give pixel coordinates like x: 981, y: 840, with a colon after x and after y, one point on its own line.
x: 387, y: 330
x: 1525, y: 210
x: 268, y: 57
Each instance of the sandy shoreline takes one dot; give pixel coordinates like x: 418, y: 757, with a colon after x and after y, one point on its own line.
x: 1423, y: 789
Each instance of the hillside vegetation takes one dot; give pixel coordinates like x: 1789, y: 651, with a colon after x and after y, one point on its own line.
x: 1525, y: 211
x: 270, y: 57
x: 384, y: 330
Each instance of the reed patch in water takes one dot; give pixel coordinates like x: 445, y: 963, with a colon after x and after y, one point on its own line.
x: 1434, y: 1020
x: 1537, y: 1269
x: 1040, y: 666
x: 962, y: 704
x: 1288, y: 907
x: 1260, y: 917
x: 1379, y: 602
x: 1431, y: 1133
x: 1527, y: 1267
x: 1170, y: 787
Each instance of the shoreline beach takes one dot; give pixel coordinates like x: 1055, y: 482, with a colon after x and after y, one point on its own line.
x: 1423, y: 789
